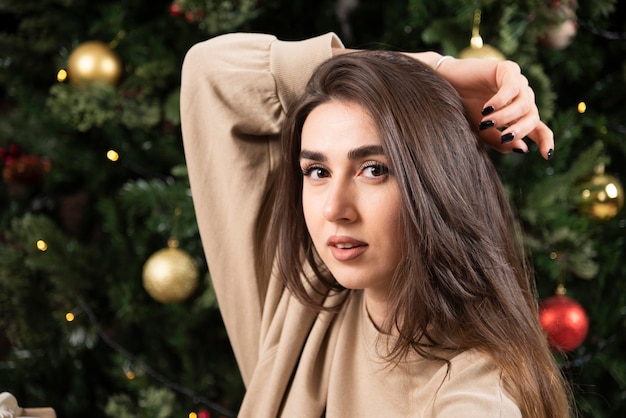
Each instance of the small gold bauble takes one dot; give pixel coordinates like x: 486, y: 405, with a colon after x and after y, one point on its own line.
x: 477, y: 48
x: 94, y: 61
x: 485, y: 51
x: 601, y: 197
x: 170, y: 275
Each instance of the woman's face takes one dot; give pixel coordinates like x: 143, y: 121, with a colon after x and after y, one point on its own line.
x: 350, y: 198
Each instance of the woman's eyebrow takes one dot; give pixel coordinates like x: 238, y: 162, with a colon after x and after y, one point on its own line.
x: 354, y: 154
x: 312, y: 155
x: 365, y: 151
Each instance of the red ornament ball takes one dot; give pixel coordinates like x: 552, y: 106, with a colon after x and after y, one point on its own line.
x: 26, y: 169
x: 565, y: 322
x: 175, y: 9
x: 203, y: 413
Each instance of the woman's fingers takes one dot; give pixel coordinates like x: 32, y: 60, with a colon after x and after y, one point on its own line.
x: 515, y: 115
x: 544, y: 138
x: 510, y: 83
x: 540, y: 135
x: 501, y: 104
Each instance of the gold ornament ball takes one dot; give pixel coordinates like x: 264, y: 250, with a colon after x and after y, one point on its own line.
x: 601, y: 197
x: 94, y: 61
x: 170, y: 275
x: 485, y: 51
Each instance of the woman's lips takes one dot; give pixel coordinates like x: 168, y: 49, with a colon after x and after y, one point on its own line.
x: 346, y: 248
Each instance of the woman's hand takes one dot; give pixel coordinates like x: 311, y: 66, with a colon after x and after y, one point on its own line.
x: 498, y: 98
x: 500, y: 103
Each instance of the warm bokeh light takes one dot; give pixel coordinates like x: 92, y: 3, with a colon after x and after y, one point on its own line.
x: 41, y: 245
x: 113, y: 155
x: 69, y: 317
x: 61, y: 75
x: 582, y: 107
x: 611, y: 191
x: 130, y: 375
x: 193, y: 415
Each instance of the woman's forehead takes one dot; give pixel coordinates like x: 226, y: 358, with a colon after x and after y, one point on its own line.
x: 339, y: 124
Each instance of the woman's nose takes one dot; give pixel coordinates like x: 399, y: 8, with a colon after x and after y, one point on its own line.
x: 340, y: 202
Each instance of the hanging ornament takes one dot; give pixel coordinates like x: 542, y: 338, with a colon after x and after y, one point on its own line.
x: 191, y: 15
x: 175, y: 8
x: 94, y: 61
x: 560, y: 35
x: 564, y: 320
x: 170, y: 275
x: 561, y: 26
x: 477, y: 48
x: 203, y: 413
x: 22, y: 172
x: 602, y: 196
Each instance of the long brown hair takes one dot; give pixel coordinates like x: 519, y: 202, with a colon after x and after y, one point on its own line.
x: 464, y: 282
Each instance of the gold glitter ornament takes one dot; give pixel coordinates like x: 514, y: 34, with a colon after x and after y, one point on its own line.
x: 94, y: 61
x: 602, y: 196
x: 478, y: 49
x: 170, y: 275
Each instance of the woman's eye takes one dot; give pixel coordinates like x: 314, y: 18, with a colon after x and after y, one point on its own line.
x: 314, y: 171
x: 375, y: 169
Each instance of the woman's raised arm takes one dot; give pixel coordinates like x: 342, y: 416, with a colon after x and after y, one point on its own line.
x: 235, y: 91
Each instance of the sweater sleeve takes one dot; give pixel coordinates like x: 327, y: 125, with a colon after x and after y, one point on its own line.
x: 474, y: 388
x: 235, y: 91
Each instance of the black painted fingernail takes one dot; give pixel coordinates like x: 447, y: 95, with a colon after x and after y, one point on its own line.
x: 550, y: 153
x: 486, y: 124
x: 488, y: 110
x: 519, y: 151
x: 508, y: 137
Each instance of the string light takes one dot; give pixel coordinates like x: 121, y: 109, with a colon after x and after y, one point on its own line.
x: 582, y: 107
x: 193, y: 415
x: 69, y: 317
x: 41, y: 245
x: 113, y: 155
x: 61, y: 75
x: 130, y: 375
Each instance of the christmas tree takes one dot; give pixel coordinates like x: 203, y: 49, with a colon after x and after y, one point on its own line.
x: 94, y: 189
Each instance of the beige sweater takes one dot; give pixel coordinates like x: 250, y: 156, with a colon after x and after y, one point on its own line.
x: 294, y: 362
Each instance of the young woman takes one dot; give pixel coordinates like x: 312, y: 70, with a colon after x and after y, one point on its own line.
x: 366, y: 265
